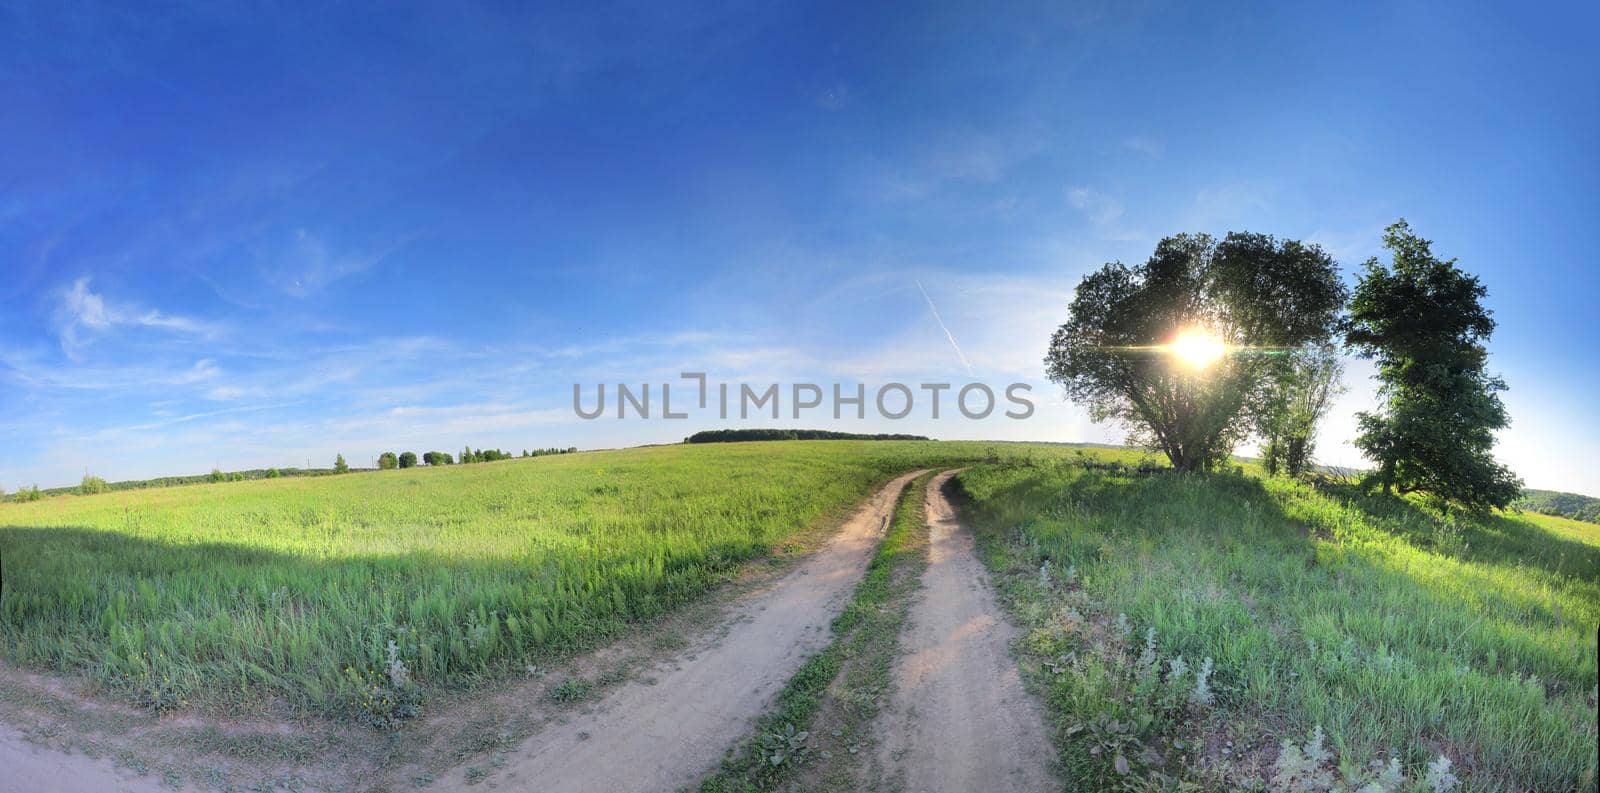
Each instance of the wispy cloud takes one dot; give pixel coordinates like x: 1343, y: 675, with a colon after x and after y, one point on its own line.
x: 947, y: 334
x: 1229, y: 207
x: 956, y: 159
x: 84, y: 313
x: 308, y: 263
x: 831, y: 97
x: 203, y: 370
x: 1149, y: 147
x: 167, y: 422
x: 1104, y: 212
x: 1351, y: 245
x: 1101, y: 209
x: 224, y: 393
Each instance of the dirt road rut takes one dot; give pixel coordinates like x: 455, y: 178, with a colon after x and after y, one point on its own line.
x: 26, y: 768
x: 671, y: 734
x: 960, y: 719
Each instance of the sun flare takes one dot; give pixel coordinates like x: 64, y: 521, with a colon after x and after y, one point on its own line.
x: 1198, y: 348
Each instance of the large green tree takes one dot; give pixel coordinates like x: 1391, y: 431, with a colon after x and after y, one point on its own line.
x: 1257, y: 293
x: 1423, y: 321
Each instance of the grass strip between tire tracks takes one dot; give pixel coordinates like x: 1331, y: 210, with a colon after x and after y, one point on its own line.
x: 866, y: 635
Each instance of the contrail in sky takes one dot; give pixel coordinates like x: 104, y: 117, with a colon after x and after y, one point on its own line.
x: 947, y: 333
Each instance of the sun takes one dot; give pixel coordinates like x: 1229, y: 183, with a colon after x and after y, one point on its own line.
x: 1198, y: 348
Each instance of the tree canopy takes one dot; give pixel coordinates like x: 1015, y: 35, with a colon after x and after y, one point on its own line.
x: 1422, y: 320
x: 1254, y: 292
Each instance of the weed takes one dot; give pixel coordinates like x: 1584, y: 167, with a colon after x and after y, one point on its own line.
x: 785, y: 745
x: 574, y: 689
x: 1306, y: 769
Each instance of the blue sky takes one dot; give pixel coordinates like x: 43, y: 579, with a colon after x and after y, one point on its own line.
x: 247, y: 235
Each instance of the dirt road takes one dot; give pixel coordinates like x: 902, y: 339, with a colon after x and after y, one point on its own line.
x: 960, y: 719
x: 672, y: 733
x: 25, y: 768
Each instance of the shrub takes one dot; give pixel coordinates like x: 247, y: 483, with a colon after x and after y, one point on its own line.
x: 31, y: 493
x: 218, y: 476
x: 91, y: 485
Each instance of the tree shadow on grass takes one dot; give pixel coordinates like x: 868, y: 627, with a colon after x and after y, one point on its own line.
x: 1499, y: 539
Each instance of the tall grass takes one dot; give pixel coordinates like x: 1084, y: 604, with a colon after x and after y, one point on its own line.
x: 292, y: 590
x: 1403, y: 635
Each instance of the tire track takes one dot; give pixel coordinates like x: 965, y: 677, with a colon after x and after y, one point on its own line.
x: 672, y: 732
x: 960, y: 719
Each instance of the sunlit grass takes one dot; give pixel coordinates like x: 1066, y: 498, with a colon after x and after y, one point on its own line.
x: 1402, y: 634
x: 289, y: 590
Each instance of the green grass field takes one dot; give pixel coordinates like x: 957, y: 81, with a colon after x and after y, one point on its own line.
x: 1402, y: 635
x: 290, y: 590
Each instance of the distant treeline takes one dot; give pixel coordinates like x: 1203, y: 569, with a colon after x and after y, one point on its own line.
x: 94, y: 484
x: 1566, y: 505
x: 389, y: 460
x: 730, y: 436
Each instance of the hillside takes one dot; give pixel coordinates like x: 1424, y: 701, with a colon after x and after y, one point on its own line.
x: 1185, y: 627
x: 1566, y: 505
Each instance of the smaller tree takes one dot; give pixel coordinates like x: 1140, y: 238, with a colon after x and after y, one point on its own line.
x: 387, y: 461
x: 30, y: 493
x: 1299, y: 397
x: 408, y: 459
x: 91, y: 485
x: 273, y: 473
x: 218, y: 476
x: 339, y: 465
